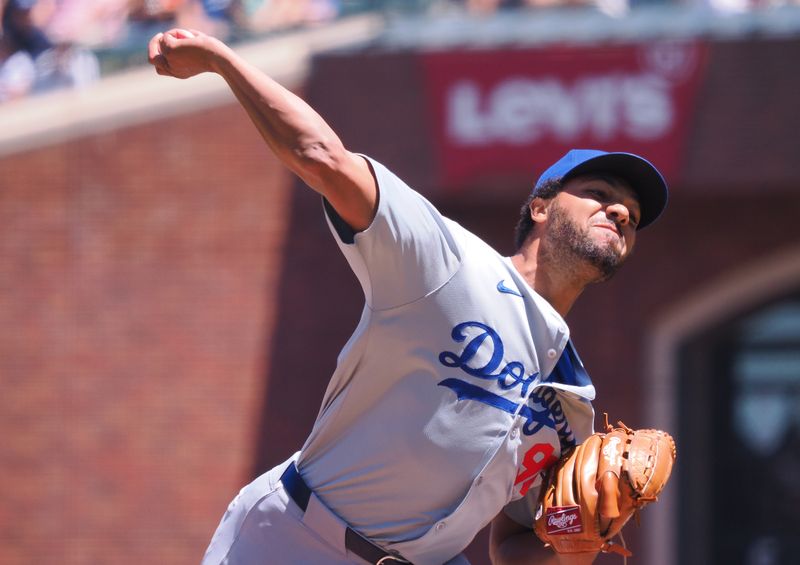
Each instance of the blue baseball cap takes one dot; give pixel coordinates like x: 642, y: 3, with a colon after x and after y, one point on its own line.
x: 639, y: 173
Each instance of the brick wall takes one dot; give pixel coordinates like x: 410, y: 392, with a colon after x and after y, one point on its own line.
x: 138, y: 272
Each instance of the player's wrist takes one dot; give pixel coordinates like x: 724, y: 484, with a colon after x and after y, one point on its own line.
x: 219, y: 56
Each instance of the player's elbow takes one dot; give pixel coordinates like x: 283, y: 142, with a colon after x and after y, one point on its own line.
x: 343, y: 178
x: 320, y: 161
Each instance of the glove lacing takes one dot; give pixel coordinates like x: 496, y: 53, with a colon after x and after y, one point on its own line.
x: 610, y: 547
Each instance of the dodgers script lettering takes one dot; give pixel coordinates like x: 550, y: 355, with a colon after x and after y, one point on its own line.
x: 484, y: 337
x: 482, y: 357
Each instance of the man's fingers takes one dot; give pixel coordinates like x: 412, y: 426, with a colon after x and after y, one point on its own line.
x: 155, y: 55
x: 173, y: 53
x: 160, y: 63
x: 173, y: 37
x: 153, y: 48
x: 166, y: 43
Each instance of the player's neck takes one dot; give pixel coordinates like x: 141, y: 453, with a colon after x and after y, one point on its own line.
x: 556, y: 283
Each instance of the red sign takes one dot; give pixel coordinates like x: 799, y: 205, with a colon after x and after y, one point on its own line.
x: 512, y: 113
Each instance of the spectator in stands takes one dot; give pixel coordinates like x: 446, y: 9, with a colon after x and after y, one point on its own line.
x: 65, y: 65
x: 554, y: 3
x: 148, y: 17
x: 20, y: 29
x: 214, y: 17
x: 34, y: 62
x: 96, y: 23
x: 151, y: 16
x: 17, y: 72
x: 491, y: 6
x: 268, y: 15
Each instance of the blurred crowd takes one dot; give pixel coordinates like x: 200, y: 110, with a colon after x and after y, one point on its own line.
x: 726, y: 6
x: 488, y: 6
x: 32, y: 60
x: 48, y: 44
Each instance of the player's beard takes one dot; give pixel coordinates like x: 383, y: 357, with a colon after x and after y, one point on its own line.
x: 573, y: 246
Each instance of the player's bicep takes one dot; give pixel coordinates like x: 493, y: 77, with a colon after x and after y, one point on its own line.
x: 351, y: 190
x: 406, y: 252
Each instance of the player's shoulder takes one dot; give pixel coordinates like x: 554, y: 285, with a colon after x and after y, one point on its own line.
x: 390, y: 185
x: 471, y: 240
x: 383, y: 175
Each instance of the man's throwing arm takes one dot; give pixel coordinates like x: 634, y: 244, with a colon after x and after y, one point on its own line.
x: 295, y: 133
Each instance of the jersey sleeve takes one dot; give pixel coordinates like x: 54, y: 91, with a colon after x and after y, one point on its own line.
x: 406, y: 253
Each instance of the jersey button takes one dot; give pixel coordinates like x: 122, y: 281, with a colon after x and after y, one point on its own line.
x: 514, y: 432
x: 440, y: 526
x: 551, y: 353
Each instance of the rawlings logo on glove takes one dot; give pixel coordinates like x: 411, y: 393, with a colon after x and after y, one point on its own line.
x: 564, y: 520
x: 595, y: 488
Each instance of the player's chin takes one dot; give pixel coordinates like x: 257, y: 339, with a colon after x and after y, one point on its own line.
x: 613, y: 245
x: 606, y: 243
x: 607, y: 261
x: 605, y: 236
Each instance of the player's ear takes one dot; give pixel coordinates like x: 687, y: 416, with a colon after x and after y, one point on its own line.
x: 538, y: 209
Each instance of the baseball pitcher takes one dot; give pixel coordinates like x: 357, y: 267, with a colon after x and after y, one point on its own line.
x: 460, y: 387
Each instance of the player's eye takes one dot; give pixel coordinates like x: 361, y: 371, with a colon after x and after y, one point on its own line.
x: 634, y: 217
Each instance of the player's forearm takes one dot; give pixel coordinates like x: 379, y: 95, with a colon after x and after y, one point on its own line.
x: 294, y: 131
x: 297, y: 135
x: 521, y: 549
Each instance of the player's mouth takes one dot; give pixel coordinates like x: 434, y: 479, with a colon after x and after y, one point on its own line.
x: 609, y: 227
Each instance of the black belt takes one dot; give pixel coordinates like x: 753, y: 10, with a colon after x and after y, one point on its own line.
x: 297, y: 488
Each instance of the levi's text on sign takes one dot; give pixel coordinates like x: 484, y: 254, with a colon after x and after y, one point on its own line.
x: 508, y: 114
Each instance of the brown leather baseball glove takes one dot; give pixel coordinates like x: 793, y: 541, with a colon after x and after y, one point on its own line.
x: 594, y: 489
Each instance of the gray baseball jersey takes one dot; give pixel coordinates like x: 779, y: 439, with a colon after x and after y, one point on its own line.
x: 457, y: 389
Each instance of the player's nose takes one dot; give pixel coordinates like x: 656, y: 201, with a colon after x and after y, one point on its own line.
x: 618, y: 212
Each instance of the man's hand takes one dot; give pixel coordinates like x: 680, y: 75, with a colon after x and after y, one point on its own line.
x: 182, y: 53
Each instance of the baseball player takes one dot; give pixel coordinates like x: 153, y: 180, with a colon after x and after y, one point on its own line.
x: 460, y: 384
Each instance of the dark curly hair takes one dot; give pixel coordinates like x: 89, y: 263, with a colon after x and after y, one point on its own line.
x: 525, y: 224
